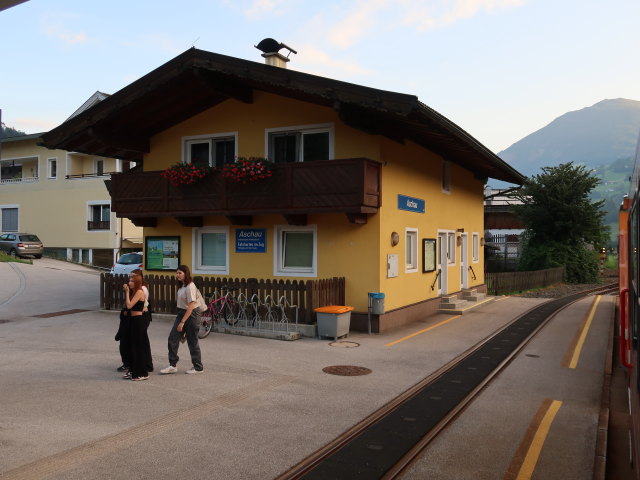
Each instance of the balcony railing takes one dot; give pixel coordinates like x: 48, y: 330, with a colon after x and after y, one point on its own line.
x: 91, y: 225
x: 350, y: 186
x: 19, y: 180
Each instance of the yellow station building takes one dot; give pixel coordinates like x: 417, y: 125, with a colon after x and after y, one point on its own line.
x: 369, y: 185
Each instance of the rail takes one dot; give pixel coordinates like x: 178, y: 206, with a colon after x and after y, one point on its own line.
x: 472, y: 272
x: 433, y: 285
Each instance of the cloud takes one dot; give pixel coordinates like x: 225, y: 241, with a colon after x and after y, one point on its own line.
x: 262, y: 7
x: 321, y: 63
x: 65, y: 36
x: 369, y: 16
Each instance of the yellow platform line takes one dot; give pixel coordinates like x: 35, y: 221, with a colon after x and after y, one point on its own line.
x: 421, y: 331
x: 583, y: 333
x: 524, y: 464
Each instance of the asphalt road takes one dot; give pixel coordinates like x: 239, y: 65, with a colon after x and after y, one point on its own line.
x: 260, y: 407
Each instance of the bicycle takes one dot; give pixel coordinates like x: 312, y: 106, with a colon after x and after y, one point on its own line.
x: 220, y: 307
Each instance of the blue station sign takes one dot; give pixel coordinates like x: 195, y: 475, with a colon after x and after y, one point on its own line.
x: 251, y: 240
x: 410, y: 204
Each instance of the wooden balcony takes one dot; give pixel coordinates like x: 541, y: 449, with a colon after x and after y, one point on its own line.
x: 295, y: 190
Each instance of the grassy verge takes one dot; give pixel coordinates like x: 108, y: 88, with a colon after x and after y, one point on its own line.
x: 8, y: 258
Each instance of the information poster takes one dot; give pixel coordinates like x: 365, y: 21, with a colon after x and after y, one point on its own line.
x: 162, y: 253
x: 428, y: 254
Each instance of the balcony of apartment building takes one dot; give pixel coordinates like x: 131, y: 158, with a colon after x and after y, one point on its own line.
x: 80, y: 166
x: 349, y: 186
x: 18, y: 170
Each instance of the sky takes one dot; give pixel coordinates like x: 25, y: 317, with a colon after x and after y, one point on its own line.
x: 499, y: 69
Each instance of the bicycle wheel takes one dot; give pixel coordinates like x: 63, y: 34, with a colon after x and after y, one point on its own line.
x: 208, y: 318
x: 230, y: 312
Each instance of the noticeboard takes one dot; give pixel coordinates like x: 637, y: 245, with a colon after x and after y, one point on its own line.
x: 162, y: 253
x: 251, y: 240
x: 428, y: 255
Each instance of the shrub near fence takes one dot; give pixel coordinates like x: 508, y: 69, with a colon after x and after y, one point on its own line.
x: 509, y: 282
x: 307, y: 295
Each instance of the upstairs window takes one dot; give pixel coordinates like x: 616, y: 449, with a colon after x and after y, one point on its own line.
x: 99, y: 167
x: 446, y: 177
x: 210, y: 150
x: 299, y: 144
x: 52, y: 168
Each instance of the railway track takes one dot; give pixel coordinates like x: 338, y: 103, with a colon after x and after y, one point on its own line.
x: 385, y: 443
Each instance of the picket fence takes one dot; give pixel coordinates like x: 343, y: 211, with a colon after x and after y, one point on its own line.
x: 306, y: 295
x: 511, y: 282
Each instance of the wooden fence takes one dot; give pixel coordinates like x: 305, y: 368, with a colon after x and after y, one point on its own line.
x: 510, y: 282
x: 307, y: 295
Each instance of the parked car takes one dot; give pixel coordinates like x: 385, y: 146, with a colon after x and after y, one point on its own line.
x: 127, y: 263
x: 20, y: 244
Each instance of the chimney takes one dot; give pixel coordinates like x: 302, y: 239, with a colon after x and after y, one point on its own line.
x: 271, y: 52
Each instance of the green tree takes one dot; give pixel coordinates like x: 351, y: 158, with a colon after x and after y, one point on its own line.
x: 564, y: 226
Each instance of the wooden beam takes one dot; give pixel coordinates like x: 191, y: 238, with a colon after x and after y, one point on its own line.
x: 244, y: 220
x: 136, y: 144
x: 296, y: 219
x: 197, y: 221
x: 221, y: 85
x: 145, y: 221
x: 357, y: 218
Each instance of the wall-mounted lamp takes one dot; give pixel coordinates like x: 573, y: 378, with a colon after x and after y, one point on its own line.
x: 395, y: 239
x: 458, y: 241
x: 482, y: 241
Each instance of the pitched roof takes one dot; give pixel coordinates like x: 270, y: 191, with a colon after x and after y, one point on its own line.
x: 121, y: 125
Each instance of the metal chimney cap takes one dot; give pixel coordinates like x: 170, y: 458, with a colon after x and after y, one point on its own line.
x: 269, y: 45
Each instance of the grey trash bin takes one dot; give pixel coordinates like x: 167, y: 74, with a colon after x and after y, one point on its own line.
x: 377, y: 303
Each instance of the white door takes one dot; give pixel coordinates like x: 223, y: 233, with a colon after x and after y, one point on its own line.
x: 464, y: 260
x: 443, y: 262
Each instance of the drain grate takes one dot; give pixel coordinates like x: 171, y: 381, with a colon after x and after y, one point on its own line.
x: 347, y: 370
x: 344, y: 344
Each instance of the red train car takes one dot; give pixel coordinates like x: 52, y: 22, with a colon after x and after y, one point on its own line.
x: 629, y: 318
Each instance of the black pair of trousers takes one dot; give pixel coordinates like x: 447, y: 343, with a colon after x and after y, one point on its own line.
x: 139, y: 347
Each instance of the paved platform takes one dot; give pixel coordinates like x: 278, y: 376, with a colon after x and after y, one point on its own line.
x: 260, y: 407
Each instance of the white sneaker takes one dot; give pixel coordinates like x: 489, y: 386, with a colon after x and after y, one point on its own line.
x: 193, y: 371
x: 169, y: 369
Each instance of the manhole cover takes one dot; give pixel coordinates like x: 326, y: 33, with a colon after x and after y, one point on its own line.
x: 346, y: 370
x: 344, y: 344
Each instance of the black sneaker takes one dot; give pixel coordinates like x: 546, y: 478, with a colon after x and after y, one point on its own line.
x: 122, y: 368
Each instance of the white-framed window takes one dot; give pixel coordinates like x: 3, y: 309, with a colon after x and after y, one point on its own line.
x: 446, y: 177
x: 99, y: 215
x: 52, y: 168
x: 9, y: 216
x: 451, y: 248
x: 299, y: 144
x: 211, y: 250
x: 475, y: 247
x: 296, y: 251
x: 411, y: 250
x: 213, y: 150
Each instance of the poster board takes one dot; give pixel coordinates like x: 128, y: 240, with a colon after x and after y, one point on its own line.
x: 162, y: 253
x: 428, y: 255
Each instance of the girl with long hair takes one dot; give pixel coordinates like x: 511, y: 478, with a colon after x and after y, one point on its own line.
x: 135, y: 302
x: 187, y: 321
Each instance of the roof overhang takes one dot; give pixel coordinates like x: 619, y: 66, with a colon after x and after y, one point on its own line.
x: 121, y: 125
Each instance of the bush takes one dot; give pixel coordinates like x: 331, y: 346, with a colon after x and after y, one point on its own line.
x: 582, y: 265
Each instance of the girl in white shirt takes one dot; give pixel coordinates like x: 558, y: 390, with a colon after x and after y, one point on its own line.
x: 188, y: 321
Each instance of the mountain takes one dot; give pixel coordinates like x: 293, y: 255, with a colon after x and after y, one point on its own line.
x: 593, y: 136
x: 602, y: 137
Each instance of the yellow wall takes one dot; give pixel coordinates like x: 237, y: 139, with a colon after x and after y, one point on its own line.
x: 357, y: 252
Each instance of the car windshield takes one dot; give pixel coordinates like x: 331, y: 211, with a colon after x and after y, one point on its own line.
x: 29, y: 238
x: 130, y: 259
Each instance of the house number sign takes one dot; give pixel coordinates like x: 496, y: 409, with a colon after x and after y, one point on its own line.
x: 410, y: 204
x: 251, y: 240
